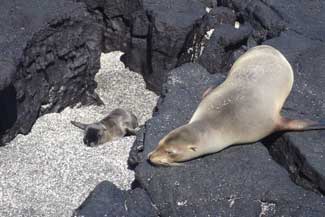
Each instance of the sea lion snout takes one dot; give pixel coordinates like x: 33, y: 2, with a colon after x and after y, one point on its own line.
x: 154, y: 158
x: 88, y: 142
x: 157, y: 158
x: 164, y: 156
x: 92, y: 136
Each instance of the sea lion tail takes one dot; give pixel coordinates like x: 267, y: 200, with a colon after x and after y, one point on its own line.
x: 79, y: 125
x: 320, y: 125
x: 287, y: 124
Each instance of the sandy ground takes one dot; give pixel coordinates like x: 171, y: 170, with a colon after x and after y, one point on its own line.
x: 50, y: 171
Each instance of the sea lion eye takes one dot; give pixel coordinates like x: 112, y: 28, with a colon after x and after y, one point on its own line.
x: 193, y: 148
x: 170, y: 152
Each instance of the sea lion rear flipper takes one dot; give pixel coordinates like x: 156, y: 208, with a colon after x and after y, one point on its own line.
x: 79, y: 125
x: 287, y: 124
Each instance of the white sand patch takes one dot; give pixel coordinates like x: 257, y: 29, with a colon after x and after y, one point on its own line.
x: 50, y: 172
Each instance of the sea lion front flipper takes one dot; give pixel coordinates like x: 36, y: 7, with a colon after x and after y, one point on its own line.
x: 287, y: 124
x: 79, y: 125
x: 207, y: 91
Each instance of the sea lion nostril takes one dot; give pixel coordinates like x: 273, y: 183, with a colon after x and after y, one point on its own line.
x: 150, y: 155
x: 86, y: 141
x: 151, y: 160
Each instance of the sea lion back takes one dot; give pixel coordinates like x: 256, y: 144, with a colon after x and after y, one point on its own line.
x: 265, y: 70
x: 248, y: 102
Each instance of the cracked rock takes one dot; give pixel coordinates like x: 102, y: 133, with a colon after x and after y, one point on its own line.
x: 107, y: 200
x: 302, y: 153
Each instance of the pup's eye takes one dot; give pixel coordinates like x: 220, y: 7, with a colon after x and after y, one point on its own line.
x: 193, y: 148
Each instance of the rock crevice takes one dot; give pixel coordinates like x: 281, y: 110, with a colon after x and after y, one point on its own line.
x: 55, y: 68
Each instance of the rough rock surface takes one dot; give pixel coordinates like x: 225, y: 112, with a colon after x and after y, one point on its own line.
x: 51, y: 64
x: 239, y: 181
x: 60, y: 50
x: 107, y: 200
x: 50, y: 172
x: 214, y: 38
x: 151, y: 33
x: 49, y: 54
x: 303, y: 153
x: 304, y: 17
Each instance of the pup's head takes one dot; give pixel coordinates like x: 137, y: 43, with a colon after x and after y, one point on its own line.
x: 177, y: 146
x: 94, y: 133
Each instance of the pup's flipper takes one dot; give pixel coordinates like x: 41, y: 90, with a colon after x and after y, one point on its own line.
x: 79, y: 125
x: 287, y: 124
x: 131, y: 132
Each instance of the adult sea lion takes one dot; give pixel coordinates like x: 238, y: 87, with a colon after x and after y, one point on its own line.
x: 116, y: 124
x: 243, y: 109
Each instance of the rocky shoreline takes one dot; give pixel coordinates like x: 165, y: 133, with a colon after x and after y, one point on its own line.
x: 280, y: 176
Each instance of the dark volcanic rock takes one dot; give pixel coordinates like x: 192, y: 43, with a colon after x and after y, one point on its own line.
x: 7, y: 70
x: 224, y: 40
x: 304, y: 17
x: 170, y: 23
x: 8, y: 104
x: 118, y: 17
x: 210, y: 3
x: 239, y: 181
x: 151, y: 33
x: 302, y: 154
x: 214, y: 39
x: 259, y: 21
x: 49, y: 54
x: 107, y: 200
x: 266, y: 19
x: 158, y: 35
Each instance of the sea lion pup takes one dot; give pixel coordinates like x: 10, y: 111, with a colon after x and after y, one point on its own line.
x: 117, y: 124
x: 243, y: 109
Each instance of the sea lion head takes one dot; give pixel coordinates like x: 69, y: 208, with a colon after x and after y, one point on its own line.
x: 177, y: 146
x: 94, y: 133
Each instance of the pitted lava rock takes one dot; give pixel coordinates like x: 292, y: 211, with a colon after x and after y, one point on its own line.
x: 49, y: 55
x: 107, y: 200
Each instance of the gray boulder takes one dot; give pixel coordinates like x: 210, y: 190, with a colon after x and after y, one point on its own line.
x: 107, y: 200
